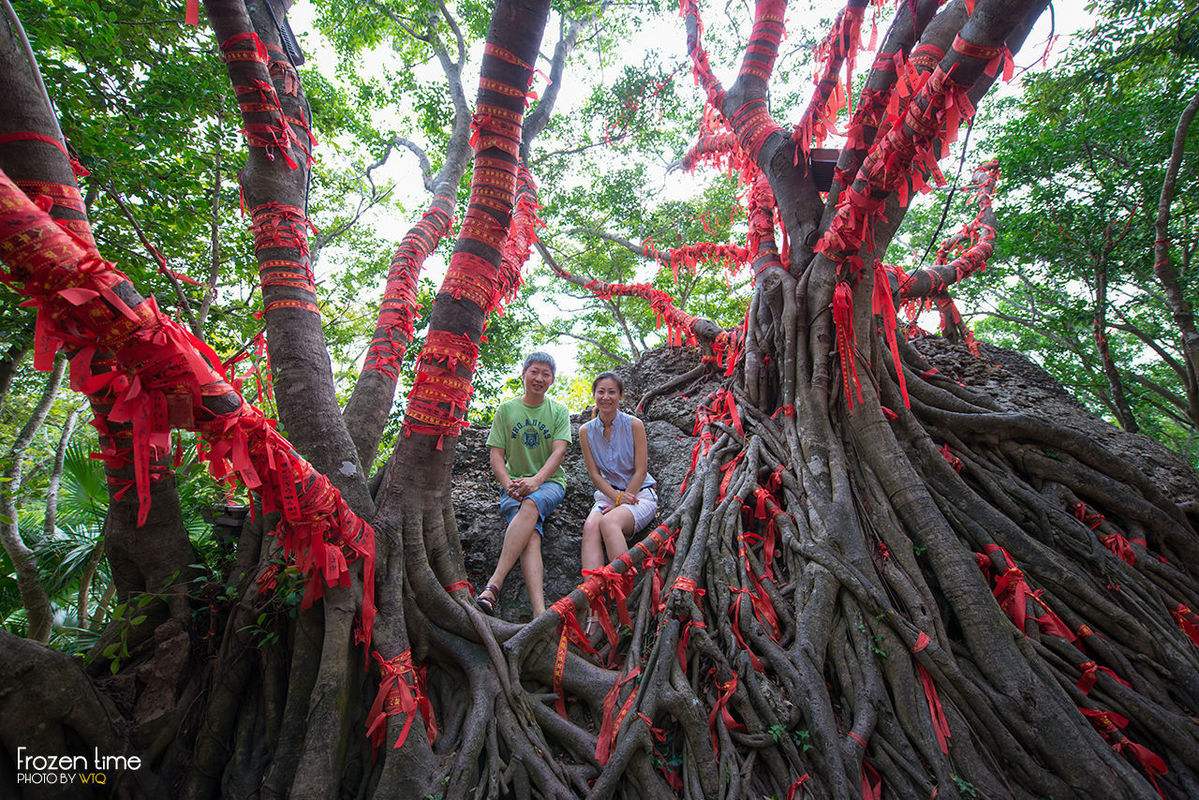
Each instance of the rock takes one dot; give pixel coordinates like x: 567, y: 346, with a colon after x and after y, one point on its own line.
x: 1017, y: 384
x: 1008, y: 377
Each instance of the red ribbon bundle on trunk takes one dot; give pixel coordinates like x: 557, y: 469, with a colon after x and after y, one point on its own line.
x: 400, y: 692
x: 163, y: 377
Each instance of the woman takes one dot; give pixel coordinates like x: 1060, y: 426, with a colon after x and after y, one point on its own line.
x: 617, y: 458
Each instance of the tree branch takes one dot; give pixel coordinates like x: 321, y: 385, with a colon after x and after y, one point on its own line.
x: 214, y: 269
x: 453, y: 23
x: 33, y: 595
x: 1166, y: 274
x: 158, y: 257
x: 426, y: 169
x: 539, y: 117
x: 615, y: 357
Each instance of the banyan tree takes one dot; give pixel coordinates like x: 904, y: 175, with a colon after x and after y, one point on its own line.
x: 876, y: 582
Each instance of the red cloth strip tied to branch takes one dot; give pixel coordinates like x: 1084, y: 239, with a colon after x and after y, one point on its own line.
x: 935, y: 709
x: 1188, y: 622
x: 568, y: 631
x: 77, y: 168
x: 522, y: 234
x: 685, y: 584
x: 659, y: 556
x: 883, y: 305
x: 724, y: 694
x: 840, y: 46
x: 1090, y: 676
x: 735, y: 615
x: 166, y: 378
x: 679, y: 324
x: 1111, y: 725
x: 701, y: 68
x: 401, y: 691
x: 753, y: 125
x: 1116, y: 542
x: 613, y: 718
x: 731, y: 256
x: 846, y: 341
x: 274, y: 138
x: 607, y: 584
x: 279, y: 227
x: 1013, y: 594
x: 931, y: 117
x: 397, y: 312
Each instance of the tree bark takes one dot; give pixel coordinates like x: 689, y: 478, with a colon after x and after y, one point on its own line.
x: 39, y: 616
x: 1167, y: 275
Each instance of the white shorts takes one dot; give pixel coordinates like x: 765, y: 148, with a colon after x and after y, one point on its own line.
x: 644, y: 510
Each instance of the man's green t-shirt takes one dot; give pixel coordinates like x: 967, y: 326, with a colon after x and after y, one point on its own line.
x: 527, y: 434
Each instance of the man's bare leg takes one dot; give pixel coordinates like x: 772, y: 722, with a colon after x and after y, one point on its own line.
x: 516, y: 539
x: 534, y: 572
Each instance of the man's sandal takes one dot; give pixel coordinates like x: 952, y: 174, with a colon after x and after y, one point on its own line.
x: 488, y: 598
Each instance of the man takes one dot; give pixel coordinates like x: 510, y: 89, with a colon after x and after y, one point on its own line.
x: 528, y: 441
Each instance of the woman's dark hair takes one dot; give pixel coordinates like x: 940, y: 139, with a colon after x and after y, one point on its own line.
x: 610, y: 376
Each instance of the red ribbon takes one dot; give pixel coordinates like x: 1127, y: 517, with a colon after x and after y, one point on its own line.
x: 1013, y: 593
x: 795, y: 784
x: 872, y: 782
x: 725, y: 693
x: 568, y: 631
x: 935, y: 709
x: 612, y: 719
x: 604, y: 584
x: 399, y: 693
x: 1090, y: 675
x: 1111, y: 725
x: 1188, y: 623
x: 843, y: 320
x: 735, y: 613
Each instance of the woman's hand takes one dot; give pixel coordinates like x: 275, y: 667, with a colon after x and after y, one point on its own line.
x: 621, y: 498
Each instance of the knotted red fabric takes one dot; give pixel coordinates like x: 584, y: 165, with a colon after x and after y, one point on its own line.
x: 883, y: 305
x: 935, y: 709
x: 397, y: 311
x: 612, y: 718
x: 400, y: 692
x: 604, y: 585
x: 439, y: 395
x: 162, y: 377
x: 724, y: 693
x: 1090, y: 676
x: 1013, y: 593
x: 1188, y: 622
x: 1111, y: 725
x: 846, y: 342
x: 568, y: 631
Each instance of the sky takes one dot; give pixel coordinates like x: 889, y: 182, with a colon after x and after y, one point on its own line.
x: 666, y: 36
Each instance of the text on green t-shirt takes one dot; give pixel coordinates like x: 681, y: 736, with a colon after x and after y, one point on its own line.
x: 527, y: 435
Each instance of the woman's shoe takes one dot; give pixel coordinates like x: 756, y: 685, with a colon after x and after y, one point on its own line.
x: 487, y: 599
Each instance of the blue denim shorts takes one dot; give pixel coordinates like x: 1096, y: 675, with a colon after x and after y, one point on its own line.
x: 547, y: 497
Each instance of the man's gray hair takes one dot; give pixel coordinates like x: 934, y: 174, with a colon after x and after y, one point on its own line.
x: 539, y: 357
